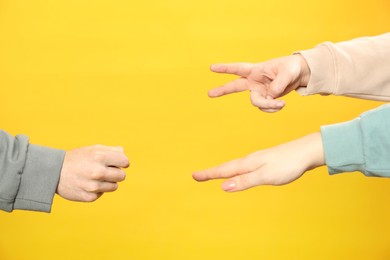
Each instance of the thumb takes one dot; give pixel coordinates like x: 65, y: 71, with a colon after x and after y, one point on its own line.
x: 278, y: 85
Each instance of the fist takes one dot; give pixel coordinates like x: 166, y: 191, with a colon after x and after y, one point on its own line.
x: 88, y: 172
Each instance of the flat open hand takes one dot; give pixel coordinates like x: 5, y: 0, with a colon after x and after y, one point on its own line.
x: 274, y: 166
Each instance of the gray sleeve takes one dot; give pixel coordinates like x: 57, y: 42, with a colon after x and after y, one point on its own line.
x: 29, y: 174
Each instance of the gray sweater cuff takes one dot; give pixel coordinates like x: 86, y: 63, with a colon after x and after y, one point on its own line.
x: 39, y: 179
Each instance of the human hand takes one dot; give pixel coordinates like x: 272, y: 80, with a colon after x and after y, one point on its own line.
x: 88, y: 172
x: 278, y: 165
x: 266, y: 81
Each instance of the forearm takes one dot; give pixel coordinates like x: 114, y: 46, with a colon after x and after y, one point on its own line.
x: 314, y: 150
x: 28, y: 174
x: 357, y: 68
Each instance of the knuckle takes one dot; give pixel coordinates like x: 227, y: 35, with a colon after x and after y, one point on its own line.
x: 117, y: 175
x: 123, y: 161
x: 90, y: 197
x: 127, y: 161
x: 114, y: 187
x: 92, y: 187
x: 122, y: 176
x: 97, y: 156
x: 254, y: 102
x: 97, y: 174
x: 257, y: 102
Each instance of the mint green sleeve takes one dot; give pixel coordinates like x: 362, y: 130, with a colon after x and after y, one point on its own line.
x: 362, y: 144
x: 29, y: 174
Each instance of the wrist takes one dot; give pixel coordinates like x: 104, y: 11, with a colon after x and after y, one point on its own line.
x: 305, y: 71
x: 315, y: 151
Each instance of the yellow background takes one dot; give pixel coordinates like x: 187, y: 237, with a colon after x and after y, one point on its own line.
x: 136, y: 74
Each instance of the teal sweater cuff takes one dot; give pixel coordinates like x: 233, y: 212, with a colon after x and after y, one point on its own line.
x: 343, y: 147
x: 362, y: 144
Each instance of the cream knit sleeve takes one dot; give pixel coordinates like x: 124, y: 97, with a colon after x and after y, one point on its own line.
x: 358, y: 68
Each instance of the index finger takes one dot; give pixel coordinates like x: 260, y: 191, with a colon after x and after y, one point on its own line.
x: 225, y: 170
x: 234, y: 86
x: 242, y: 69
x: 115, y: 159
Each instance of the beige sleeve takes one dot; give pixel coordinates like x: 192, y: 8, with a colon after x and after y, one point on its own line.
x: 357, y: 68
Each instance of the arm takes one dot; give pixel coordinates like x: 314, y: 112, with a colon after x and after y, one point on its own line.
x: 30, y: 175
x: 362, y: 144
x: 90, y: 171
x: 266, y: 81
x: 357, y: 68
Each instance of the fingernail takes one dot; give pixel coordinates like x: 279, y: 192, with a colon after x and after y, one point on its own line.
x: 280, y: 104
x: 211, y: 92
x: 228, y: 185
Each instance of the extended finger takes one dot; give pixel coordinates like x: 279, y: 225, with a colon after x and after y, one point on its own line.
x: 243, y: 182
x: 234, y: 86
x: 242, y: 69
x: 225, y: 170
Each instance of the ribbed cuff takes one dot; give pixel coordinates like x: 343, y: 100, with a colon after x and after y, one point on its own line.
x: 322, y: 68
x: 39, y: 178
x: 343, y: 147
x: 6, y: 205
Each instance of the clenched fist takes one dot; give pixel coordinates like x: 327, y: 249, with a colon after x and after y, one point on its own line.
x: 88, y: 172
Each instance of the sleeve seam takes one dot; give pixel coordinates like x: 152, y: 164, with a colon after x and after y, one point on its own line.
x: 38, y: 202
x: 336, y: 83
